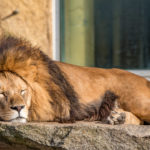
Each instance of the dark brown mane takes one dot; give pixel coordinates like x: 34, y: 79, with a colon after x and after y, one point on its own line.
x: 65, y: 88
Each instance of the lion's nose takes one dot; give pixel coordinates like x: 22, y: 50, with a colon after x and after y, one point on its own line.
x: 17, y: 108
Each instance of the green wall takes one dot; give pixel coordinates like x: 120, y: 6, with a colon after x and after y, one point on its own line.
x: 77, y: 39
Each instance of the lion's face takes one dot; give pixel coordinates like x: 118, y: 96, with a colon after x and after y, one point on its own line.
x: 15, y: 98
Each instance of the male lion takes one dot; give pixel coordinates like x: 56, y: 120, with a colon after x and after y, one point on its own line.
x: 35, y: 88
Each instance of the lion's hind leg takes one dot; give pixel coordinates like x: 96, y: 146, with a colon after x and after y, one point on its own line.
x: 117, y: 115
x: 109, y: 112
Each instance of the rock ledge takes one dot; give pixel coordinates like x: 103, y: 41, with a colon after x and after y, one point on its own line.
x: 78, y: 136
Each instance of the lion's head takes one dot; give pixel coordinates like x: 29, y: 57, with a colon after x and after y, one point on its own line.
x: 25, y: 82
x: 15, y: 98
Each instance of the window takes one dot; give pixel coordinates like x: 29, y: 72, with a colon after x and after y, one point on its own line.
x: 106, y: 33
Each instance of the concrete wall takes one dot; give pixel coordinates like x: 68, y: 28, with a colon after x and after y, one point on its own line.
x: 33, y: 21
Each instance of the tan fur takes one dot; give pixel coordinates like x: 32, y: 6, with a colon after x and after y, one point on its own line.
x: 91, y: 83
x: 62, y: 91
x: 132, y: 119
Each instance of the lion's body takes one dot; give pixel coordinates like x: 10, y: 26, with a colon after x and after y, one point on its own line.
x: 91, y: 83
x: 63, y: 92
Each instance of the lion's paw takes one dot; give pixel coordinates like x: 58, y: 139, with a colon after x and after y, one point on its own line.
x: 116, y: 118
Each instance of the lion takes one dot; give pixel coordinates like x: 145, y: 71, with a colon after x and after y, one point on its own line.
x: 33, y: 87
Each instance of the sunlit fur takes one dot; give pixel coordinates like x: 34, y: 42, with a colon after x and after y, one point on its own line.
x: 58, y: 91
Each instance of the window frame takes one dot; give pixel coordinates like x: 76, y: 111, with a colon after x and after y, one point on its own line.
x: 56, y: 30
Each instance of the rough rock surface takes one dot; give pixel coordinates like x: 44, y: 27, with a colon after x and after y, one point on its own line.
x: 78, y: 136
